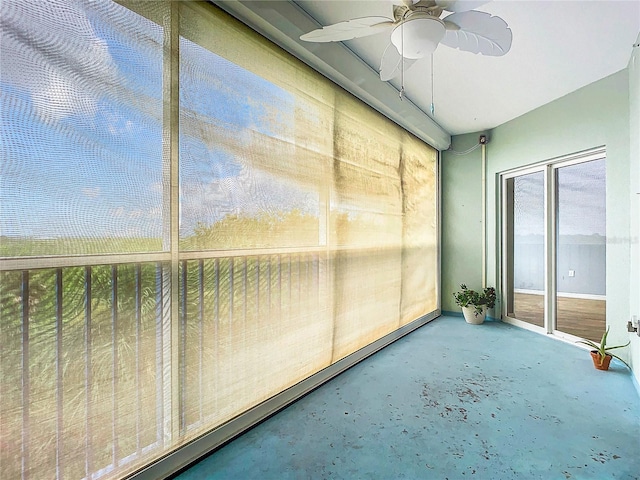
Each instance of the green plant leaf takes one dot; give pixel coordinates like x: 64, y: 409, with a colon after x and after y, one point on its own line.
x: 616, y: 356
x: 619, y: 346
x: 603, y: 349
x: 589, y: 343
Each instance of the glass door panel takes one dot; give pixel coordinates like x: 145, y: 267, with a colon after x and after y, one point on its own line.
x: 581, y: 249
x: 525, y: 279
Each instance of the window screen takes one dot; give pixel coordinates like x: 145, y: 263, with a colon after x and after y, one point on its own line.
x: 81, y: 128
x: 192, y: 222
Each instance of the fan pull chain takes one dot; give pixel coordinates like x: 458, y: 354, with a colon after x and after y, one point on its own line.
x: 433, y: 108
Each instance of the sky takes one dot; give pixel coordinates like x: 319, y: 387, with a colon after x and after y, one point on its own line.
x: 81, y: 118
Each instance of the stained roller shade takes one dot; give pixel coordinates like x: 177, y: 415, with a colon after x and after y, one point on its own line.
x: 192, y: 222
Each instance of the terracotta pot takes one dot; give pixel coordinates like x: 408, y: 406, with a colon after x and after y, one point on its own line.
x: 604, y: 365
x: 471, y: 317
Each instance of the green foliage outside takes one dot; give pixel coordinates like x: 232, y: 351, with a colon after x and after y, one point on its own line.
x: 293, y: 228
x: 33, y: 247
x: 63, y: 340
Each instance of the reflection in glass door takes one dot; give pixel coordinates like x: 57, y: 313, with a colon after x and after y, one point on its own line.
x: 526, y: 234
x: 581, y: 249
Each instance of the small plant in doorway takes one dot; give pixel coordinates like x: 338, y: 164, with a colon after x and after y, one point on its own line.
x: 475, y: 304
x: 601, y: 354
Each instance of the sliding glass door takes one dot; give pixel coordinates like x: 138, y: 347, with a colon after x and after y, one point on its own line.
x: 581, y: 249
x: 554, y: 246
x: 527, y: 259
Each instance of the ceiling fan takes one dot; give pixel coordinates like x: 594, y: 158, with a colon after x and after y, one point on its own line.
x: 417, y: 29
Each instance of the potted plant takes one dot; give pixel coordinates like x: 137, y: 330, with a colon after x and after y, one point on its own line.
x: 600, y: 354
x: 475, y: 304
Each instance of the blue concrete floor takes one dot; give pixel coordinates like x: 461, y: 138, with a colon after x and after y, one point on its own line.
x: 451, y: 401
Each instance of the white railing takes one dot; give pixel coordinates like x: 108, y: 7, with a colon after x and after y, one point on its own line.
x: 84, y: 352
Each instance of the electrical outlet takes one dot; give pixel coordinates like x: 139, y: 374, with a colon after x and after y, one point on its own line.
x: 572, y: 273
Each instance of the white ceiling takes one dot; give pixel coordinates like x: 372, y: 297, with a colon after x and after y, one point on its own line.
x: 558, y: 47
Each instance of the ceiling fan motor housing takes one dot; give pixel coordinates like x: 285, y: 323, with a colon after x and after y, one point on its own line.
x: 418, y: 35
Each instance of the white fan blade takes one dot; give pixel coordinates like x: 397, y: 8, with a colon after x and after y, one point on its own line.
x: 477, y: 32
x: 391, y: 63
x: 356, y: 28
x: 460, y: 5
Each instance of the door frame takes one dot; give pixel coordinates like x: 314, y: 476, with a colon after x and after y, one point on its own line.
x: 549, y: 168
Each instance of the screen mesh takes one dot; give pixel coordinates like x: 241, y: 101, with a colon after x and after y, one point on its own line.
x: 81, y: 129
x: 306, y: 228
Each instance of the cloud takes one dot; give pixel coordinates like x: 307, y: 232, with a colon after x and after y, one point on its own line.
x: 251, y: 192
x: 51, y: 49
x: 91, y: 192
x: 154, y: 213
x: 157, y: 187
x: 117, y: 212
